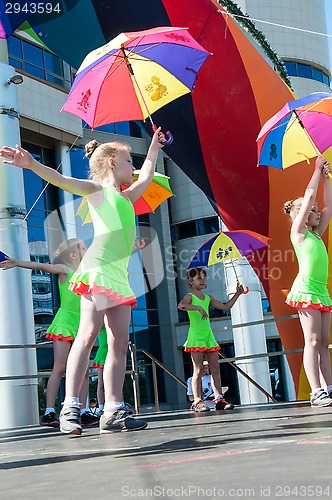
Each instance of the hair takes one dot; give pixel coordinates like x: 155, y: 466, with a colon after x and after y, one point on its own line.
x: 195, y: 271
x: 98, y: 152
x: 62, y: 253
x: 291, y: 207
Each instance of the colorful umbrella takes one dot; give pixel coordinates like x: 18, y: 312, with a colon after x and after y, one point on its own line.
x: 302, y: 129
x: 134, y: 75
x: 226, y: 246
x: 156, y: 193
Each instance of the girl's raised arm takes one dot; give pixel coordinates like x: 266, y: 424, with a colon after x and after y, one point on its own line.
x: 23, y: 159
x: 27, y: 264
x: 327, y: 210
x: 298, y: 226
x: 135, y: 191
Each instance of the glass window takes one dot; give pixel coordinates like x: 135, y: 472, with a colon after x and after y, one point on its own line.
x: 140, y: 319
x: 32, y: 54
x: 317, y: 74
x: 54, y: 79
x: 187, y: 230
x: 14, y: 47
x: 15, y: 63
x: 207, y: 226
x: 122, y: 128
x: 326, y: 79
x: 53, y: 64
x: 79, y: 163
x: 33, y: 70
x: 291, y: 67
x: 304, y: 70
x: 135, y: 129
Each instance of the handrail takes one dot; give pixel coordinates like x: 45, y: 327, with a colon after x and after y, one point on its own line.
x: 245, y: 375
x: 133, y: 351
x: 159, y: 363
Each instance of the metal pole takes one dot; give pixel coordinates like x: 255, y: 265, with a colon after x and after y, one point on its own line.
x: 134, y: 377
x: 155, y: 386
x: 16, y: 307
x: 251, y: 339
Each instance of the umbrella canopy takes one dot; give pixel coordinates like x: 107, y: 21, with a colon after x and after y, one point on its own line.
x: 301, y: 129
x: 226, y: 246
x: 134, y: 75
x: 156, y: 193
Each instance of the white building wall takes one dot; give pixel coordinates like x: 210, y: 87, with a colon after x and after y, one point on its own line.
x: 42, y: 103
x: 301, y: 45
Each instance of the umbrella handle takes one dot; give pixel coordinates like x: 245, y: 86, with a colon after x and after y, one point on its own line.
x: 140, y: 245
x: 246, y: 289
x: 168, y: 135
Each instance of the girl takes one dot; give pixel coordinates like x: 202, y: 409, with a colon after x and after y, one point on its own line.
x: 63, y: 329
x: 99, y: 360
x: 201, y: 340
x: 309, y: 294
x: 102, y: 277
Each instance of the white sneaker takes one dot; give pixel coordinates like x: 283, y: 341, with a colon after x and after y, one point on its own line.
x: 321, y: 398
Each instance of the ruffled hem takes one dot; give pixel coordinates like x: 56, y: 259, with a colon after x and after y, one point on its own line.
x: 201, y: 349
x: 307, y: 305
x: 93, y: 289
x: 53, y: 336
x: 96, y: 365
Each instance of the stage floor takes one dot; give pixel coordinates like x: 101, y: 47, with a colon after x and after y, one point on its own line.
x: 271, y: 450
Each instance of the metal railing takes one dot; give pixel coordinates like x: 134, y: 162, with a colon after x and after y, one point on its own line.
x: 134, y: 373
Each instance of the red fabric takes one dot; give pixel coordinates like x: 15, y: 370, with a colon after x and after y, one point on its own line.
x: 51, y: 336
x: 95, y: 365
x: 93, y: 289
x: 309, y: 305
x: 201, y: 349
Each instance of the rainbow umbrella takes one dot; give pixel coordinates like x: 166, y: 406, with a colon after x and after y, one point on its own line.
x: 134, y: 75
x: 302, y: 129
x: 226, y: 246
x: 157, y: 192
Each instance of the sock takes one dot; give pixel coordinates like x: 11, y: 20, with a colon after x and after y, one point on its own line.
x: 70, y: 401
x: 83, y: 410
x: 329, y: 389
x: 49, y: 410
x: 101, y: 407
x: 197, y: 400
x: 112, y: 407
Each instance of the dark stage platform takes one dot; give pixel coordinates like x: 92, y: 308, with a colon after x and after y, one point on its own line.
x: 271, y: 450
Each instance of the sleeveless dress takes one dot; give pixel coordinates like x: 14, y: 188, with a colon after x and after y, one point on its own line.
x: 309, y: 287
x: 66, y: 321
x: 200, y: 335
x: 99, y: 360
x: 104, y: 267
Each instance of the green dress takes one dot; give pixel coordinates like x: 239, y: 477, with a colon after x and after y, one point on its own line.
x: 99, y: 360
x: 104, y: 267
x: 309, y: 288
x: 66, y: 321
x: 200, y: 335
